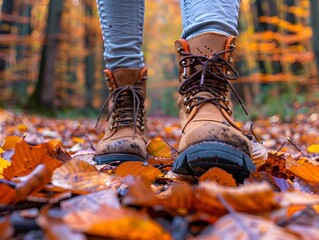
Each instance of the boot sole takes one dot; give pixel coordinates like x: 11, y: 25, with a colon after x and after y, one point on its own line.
x: 198, y: 158
x: 117, y: 157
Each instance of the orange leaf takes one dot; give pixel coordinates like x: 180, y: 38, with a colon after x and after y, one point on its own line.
x: 121, y: 223
x: 6, y: 194
x: 159, y: 148
x: 247, y: 198
x: 26, y: 158
x: 32, y: 182
x: 178, y: 195
x: 6, y: 229
x: 138, y: 169
x: 219, y: 176
x: 55, y: 228
x: 10, y: 142
x: 245, y: 226
x: 307, y: 171
x: 80, y: 177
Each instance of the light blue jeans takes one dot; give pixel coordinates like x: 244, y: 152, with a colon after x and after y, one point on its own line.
x: 122, y: 24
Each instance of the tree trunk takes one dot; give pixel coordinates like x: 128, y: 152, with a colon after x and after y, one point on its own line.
x: 314, y: 18
x: 89, y: 60
x: 5, y: 27
x: 43, y: 95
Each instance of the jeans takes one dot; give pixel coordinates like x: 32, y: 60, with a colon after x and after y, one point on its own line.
x: 122, y: 26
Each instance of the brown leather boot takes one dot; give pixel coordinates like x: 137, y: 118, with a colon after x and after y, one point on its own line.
x: 210, y: 137
x: 125, y: 137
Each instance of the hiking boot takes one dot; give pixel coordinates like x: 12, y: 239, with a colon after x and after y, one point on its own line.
x: 125, y: 134
x: 211, y: 138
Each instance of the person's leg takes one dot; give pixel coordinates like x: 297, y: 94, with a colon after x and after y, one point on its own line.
x: 122, y: 27
x: 219, y: 16
x: 211, y: 138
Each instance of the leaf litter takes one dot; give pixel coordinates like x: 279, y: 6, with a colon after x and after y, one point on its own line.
x: 47, y: 175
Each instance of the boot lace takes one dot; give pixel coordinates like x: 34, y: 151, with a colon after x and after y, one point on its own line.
x: 127, y: 108
x: 208, y: 74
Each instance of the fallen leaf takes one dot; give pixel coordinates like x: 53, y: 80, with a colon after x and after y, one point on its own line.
x: 118, y: 223
x: 6, y: 229
x: 10, y: 142
x: 242, y: 226
x: 219, y: 176
x: 32, y: 182
x: 138, y: 169
x: 80, y: 177
x: 3, y: 164
x: 26, y: 158
x: 157, y: 147
x: 92, y: 201
x: 6, y: 194
x: 306, y: 171
x: 138, y: 192
x: 255, y: 197
x: 314, y: 148
x: 54, y: 228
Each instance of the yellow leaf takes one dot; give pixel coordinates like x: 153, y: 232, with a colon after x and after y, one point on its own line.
x: 314, y: 148
x: 78, y: 140
x: 3, y: 164
x: 22, y: 127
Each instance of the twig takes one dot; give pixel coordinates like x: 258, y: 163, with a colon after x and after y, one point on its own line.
x: 164, y: 166
x: 252, y: 132
x: 175, y: 150
x: 289, y: 140
x: 294, y: 217
x: 282, y: 145
x: 237, y: 218
x: 87, y: 137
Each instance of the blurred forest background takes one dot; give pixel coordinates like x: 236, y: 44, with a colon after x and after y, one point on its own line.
x: 51, y: 56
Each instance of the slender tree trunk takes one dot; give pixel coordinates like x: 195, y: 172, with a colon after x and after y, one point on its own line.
x: 43, y: 95
x: 89, y: 60
x: 5, y: 26
x: 24, y: 29
x: 314, y: 17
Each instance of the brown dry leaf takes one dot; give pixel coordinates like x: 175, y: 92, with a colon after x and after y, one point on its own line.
x: 138, y: 169
x: 296, y: 198
x: 10, y: 142
x: 257, y: 197
x: 80, y: 177
x: 6, y: 194
x: 140, y: 193
x: 276, y: 166
x: 305, y: 232
x: 219, y: 176
x: 6, y: 229
x: 26, y: 158
x: 118, y: 223
x: 242, y: 226
x: 278, y: 184
x: 32, y: 182
x: 157, y: 147
x: 91, y: 201
x: 54, y: 228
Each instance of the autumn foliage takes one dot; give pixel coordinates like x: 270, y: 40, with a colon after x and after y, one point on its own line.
x: 136, y: 200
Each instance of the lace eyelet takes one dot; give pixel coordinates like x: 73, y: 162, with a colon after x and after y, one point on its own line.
x: 186, y: 99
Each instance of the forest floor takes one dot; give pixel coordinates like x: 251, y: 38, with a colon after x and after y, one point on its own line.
x: 51, y: 188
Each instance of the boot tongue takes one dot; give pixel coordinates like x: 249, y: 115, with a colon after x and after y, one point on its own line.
x: 206, y: 44
x: 127, y: 76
